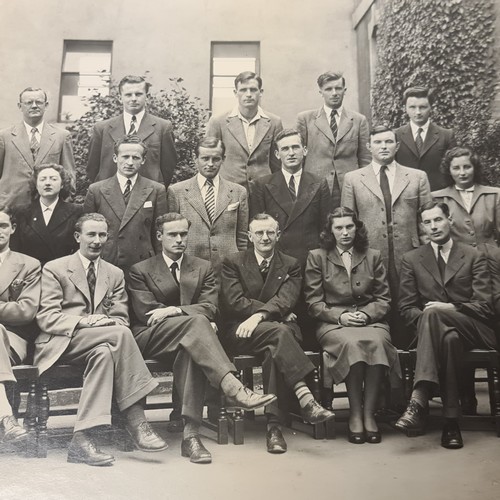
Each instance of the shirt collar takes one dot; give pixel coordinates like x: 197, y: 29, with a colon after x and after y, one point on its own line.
x: 169, y: 261
x: 4, y: 255
x: 122, y: 180
x: 39, y: 127
x: 287, y: 175
x: 414, y: 128
x: 127, y: 118
x: 202, y: 180
x: 328, y: 111
x: 446, y: 247
x: 377, y: 166
x: 260, y: 114
x: 468, y: 190
x: 86, y: 262
x: 349, y: 250
x: 259, y: 257
x: 51, y: 207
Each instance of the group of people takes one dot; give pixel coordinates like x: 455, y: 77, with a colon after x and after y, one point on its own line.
x: 327, y: 234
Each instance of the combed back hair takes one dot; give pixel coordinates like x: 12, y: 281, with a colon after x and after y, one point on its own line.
x: 169, y: 217
x: 245, y: 76
x: 379, y: 129
x: 8, y: 211
x: 133, y: 79
x: 32, y: 89
x: 66, y: 180
x: 131, y: 139
x: 330, y: 76
x: 86, y: 217
x: 287, y: 132
x: 264, y: 216
x: 210, y: 143
x: 419, y: 92
x: 433, y: 204
x: 327, y: 239
x: 458, y: 152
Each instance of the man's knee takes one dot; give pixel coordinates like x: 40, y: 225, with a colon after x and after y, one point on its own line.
x: 451, y: 339
x: 281, y: 333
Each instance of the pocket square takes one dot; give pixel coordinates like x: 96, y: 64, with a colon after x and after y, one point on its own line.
x: 233, y: 206
x: 148, y: 204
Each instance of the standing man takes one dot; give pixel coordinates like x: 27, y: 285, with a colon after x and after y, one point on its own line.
x: 248, y: 132
x: 216, y: 208
x: 29, y: 143
x: 155, y: 132
x: 83, y: 320
x: 335, y: 136
x: 130, y: 203
x: 445, y: 296
x: 422, y: 142
x: 19, y: 301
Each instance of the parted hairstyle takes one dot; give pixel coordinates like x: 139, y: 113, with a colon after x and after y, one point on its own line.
x: 433, y: 204
x: 133, y: 79
x: 458, y: 152
x: 131, y: 139
x: 264, y: 216
x: 379, y: 129
x: 66, y: 180
x: 327, y: 239
x: 210, y: 143
x: 32, y: 89
x: 245, y: 76
x: 330, y: 76
x: 86, y: 217
x: 169, y: 217
x: 287, y: 132
x: 8, y: 211
x: 418, y: 92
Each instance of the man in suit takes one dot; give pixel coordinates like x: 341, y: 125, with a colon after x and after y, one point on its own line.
x: 155, y: 132
x: 130, y: 203
x: 216, y: 207
x: 29, y: 143
x: 19, y: 301
x: 422, y: 142
x: 335, y: 136
x: 445, y: 296
x: 297, y: 199
x: 174, y: 297
x: 248, y: 132
x: 260, y: 287
x: 83, y: 320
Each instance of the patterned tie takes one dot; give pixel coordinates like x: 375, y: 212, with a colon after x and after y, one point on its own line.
x: 264, y: 268
x: 333, y: 123
x: 441, y: 262
x: 419, y: 141
x: 34, y: 144
x: 133, y: 124
x: 386, y: 192
x: 173, y: 269
x: 210, y: 200
x: 126, y: 193
x: 291, y: 188
x: 91, y: 279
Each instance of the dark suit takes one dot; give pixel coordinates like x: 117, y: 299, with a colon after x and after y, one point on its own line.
x: 437, y: 141
x: 190, y: 336
x: 131, y: 227
x: 155, y: 132
x: 443, y: 335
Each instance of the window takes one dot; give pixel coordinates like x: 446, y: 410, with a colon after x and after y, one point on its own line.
x: 86, y: 69
x: 228, y: 60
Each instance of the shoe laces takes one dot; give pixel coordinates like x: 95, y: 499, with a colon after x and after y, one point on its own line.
x: 146, y: 428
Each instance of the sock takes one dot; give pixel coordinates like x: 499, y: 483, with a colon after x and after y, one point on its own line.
x: 5, y: 409
x: 421, y: 395
x: 273, y: 421
x: 230, y: 385
x: 304, y: 395
x: 135, y: 414
x: 191, y: 429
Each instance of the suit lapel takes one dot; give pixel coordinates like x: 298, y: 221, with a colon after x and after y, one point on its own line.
x: 111, y: 192
x: 407, y: 137
x: 117, y: 128
x: 275, y: 278
x: 279, y: 191
x: 261, y: 127
x: 138, y: 196
x: 164, y: 281
x: 429, y: 262
x: 102, y: 283
x: 478, y: 191
x: 37, y: 223
x: 370, y: 181
x: 46, y: 142
x: 250, y: 273
x: 194, y: 198
x: 431, y: 138
x: 58, y: 216
x: 321, y: 123
x: 357, y: 258
x: 8, y: 271
x: 190, y: 276
x: 147, y: 127
x: 223, y: 198
x: 307, y: 189
x: 345, y: 124
x: 400, y: 183
x: 21, y: 141
x: 76, y: 273
x: 235, y: 127
x: 455, y: 262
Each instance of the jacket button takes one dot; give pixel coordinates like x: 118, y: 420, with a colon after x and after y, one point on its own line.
x: 358, y: 283
x: 383, y: 223
x: 353, y: 271
x: 384, y: 235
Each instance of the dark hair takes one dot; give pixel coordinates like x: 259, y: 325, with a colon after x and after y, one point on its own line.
x: 131, y: 139
x: 133, y: 79
x: 419, y: 92
x: 433, y: 204
x: 8, y: 211
x: 210, y: 143
x: 263, y: 216
x: 169, y: 217
x: 32, y: 89
x: 287, y: 132
x: 66, y: 180
x: 457, y: 152
x: 379, y: 129
x: 330, y: 76
x: 327, y: 239
x: 86, y: 217
x: 245, y: 76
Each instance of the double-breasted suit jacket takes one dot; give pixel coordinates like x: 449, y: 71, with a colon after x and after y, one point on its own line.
x: 155, y: 132
x: 302, y: 221
x: 228, y: 231
x: 242, y: 165
x: 17, y: 163
x: 326, y: 155
x: 131, y: 227
x: 437, y: 141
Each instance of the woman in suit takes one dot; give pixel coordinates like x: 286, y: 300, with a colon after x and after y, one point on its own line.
x: 45, y: 228
x: 347, y: 293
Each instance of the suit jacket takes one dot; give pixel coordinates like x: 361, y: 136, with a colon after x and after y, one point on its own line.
x: 437, y: 141
x: 17, y: 163
x: 19, y: 294
x: 482, y: 224
x: 228, y: 232
x: 155, y: 132
x: 65, y: 300
x: 466, y: 283
x: 241, y: 165
x: 132, y: 233
x: 300, y: 222
x: 326, y: 155
x: 244, y: 291
x: 47, y: 242
x: 329, y: 291
x: 362, y: 193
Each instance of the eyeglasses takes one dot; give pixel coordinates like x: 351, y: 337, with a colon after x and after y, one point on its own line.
x: 29, y: 104
x: 269, y: 234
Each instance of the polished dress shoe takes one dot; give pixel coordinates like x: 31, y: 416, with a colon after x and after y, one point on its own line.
x: 451, y: 437
x: 193, y: 448
x: 314, y: 413
x: 373, y: 437
x: 249, y: 400
x: 355, y: 437
x: 145, y: 438
x: 82, y: 450
x: 413, y: 419
x: 275, y: 441
x: 12, y: 431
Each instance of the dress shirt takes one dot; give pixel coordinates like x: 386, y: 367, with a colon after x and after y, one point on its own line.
x: 127, y: 120
x: 38, y: 133
x: 48, y: 210
x: 346, y: 256
x: 3, y: 255
x: 202, y: 184
x: 466, y: 195
x: 259, y: 258
x: 169, y: 262
x: 249, y: 126
x: 445, y: 252
x: 296, y: 178
x: 86, y: 263
x: 328, y: 112
x: 390, y: 172
x: 122, y: 180
x: 414, y: 130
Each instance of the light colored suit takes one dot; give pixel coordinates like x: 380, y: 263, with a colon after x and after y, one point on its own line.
x: 17, y: 163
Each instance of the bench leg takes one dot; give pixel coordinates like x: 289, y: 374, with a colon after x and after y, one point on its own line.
x: 238, y: 429
x: 222, y: 422
x: 30, y: 423
x: 331, y: 432
x: 43, y: 404
x: 496, y: 399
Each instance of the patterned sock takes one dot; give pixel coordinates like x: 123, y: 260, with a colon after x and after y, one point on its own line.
x: 304, y: 395
x: 230, y: 385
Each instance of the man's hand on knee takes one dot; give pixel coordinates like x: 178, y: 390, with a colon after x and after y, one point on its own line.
x: 433, y: 304
x: 248, y: 326
x: 160, y: 314
x: 95, y: 320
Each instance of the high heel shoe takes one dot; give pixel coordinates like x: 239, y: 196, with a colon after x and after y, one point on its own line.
x: 356, y: 437
x: 373, y: 437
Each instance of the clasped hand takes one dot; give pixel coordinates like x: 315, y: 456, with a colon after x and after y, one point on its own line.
x: 357, y: 318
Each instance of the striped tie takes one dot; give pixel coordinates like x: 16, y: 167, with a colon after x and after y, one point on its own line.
x: 333, y: 124
x: 34, y: 144
x: 133, y: 123
x: 291, y: 188
x: 419, y: 141
x: 210, y: 200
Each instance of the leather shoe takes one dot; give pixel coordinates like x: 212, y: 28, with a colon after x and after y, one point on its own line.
x: 249, y: 400
x: 355, y: 437
x: 314, y: 413
x: 175, y: 425
x: 82, y: 450
x: 451, y: 437
x: 275, y: 441
x: 413, y: 419
x: 12, y: 431
x: 193, y: 448
x: 373, y: 437
x: 145, y: 438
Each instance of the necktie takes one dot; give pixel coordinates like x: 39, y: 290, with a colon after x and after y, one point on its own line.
x: 126, y: 193
x: 91, y: 279
x: 291, y: 188
x: 419, y: 141
x: 347, y: 260
x: 47, y: 214
x: 386, y: 192
x: 333, y: 123
x: 210, y: 200
x: 264, y: 268
x: 173, y: 269
x: 133, y: 125
x: 441, y: 262
x: 34, y: 144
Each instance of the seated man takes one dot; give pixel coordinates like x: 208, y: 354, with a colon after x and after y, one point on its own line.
x: 83, y: 320
x: 174, y: 297
x: 445, y: 295
x: 19, y: 301
x: 260, y: 288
